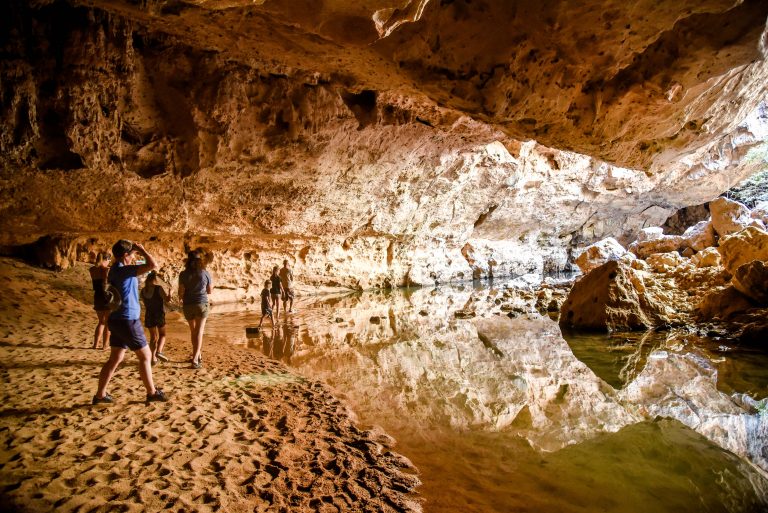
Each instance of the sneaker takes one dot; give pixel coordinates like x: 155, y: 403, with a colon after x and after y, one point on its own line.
x: 197, y: 365
x: 107, y: 399
x: 158, y: 396
x: 162, y: 357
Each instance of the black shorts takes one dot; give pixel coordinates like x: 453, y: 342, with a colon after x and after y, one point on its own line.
x: 100, y: 302
x: 154, y: 319
x: 126, y: 334
x: 266, y: 310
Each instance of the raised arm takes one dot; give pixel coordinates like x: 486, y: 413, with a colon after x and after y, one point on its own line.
x: 150, y: 262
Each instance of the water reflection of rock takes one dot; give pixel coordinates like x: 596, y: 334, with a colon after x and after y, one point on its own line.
x: 684, y: 387
x: 493, y: 373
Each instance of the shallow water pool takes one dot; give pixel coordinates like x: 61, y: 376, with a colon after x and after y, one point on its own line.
x: 504, y: 414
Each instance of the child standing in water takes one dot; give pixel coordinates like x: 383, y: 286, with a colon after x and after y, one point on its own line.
x: 99, y: 273
x: 154, y: 297
x: 266, y: 307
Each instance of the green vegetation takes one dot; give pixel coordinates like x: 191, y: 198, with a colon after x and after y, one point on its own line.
x: 754, y: 189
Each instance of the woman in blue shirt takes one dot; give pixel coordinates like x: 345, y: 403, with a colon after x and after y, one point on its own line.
x: 194, y: 286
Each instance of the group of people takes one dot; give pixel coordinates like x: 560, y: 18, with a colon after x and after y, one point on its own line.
x: 116, y: 302
x: 278, y: 287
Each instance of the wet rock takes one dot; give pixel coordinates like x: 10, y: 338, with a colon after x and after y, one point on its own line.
x: 599, y: 253
x: 755, y: 333
x: 612, y: 297
x: 751, y: 279
x: 743, y: 247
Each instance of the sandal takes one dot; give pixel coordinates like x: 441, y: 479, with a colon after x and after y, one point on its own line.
x: 158, y: 396
x: 107, y: 399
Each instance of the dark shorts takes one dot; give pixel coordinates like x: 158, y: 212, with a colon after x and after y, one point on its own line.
x: 154, y: 320
x: 126, y: 334
x: 287, y: 294
x: 196, y: 311
x: 100, y: 302
x: 265, y: 310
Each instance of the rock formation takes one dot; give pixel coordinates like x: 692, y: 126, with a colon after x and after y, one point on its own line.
x: 677, y: 280
x: 372, y: 144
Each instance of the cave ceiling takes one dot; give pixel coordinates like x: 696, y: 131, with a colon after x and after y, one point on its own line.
x: 637, y: 84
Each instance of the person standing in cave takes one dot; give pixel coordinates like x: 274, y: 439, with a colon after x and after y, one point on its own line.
x: 195, y: 284
x: 99, y: 273
x: 154, y: 297
x: 286, y: 277
x: 125, y: 323
x: 277, y: 291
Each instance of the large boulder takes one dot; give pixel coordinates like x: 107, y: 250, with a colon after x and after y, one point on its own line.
x: 743, y: 247
x: 709, y: 257
x: 664, y: 262
x: 751, y: 279
x: 730, y: 216
x: 612, y: 297
x: 663, y: 244
x: 599, y: 253
x: 700, y: 236
x: 722, y: 304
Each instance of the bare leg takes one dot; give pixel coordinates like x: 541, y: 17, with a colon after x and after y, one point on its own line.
x: 197, y: 344
x: 153, y: 336
x: 160, y: 340
x: 276, y: 307
x: 145, y: 369
x: 192, y: 337
x: 108, y: 370
x: 98, y: 332
x: 101, y: 333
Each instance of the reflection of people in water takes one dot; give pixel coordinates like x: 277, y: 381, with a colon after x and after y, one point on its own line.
x: 277, y: 345
x: 267, y: 343
x: 288, y: 345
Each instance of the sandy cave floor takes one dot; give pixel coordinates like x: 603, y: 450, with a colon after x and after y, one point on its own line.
x: 241, y: 434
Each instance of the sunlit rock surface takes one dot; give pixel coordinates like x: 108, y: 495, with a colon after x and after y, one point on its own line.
x: 374, y: 143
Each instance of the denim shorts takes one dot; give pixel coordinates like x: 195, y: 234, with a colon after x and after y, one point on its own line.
x: 196, y: 311
x: 126, y: 334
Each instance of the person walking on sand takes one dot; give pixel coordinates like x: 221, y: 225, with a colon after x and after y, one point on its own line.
x: 276, y: 291
x: 99, y: 272
x: 286, y: 277
x: 194, y: 286
x: 154, y: 297
x: 125, y: 323
x: 266, y: 307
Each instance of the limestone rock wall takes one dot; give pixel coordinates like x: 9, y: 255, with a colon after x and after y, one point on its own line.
x: 181, y: 126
